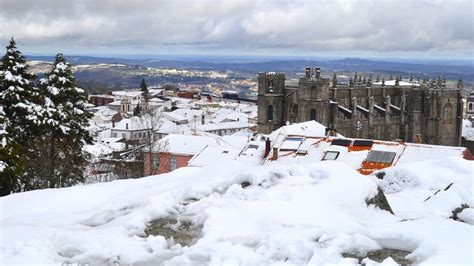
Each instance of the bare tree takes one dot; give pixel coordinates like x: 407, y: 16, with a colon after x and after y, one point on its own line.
x: 151, y: 121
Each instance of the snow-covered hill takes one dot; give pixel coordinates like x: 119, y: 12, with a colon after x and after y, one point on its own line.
x: 235, y: 214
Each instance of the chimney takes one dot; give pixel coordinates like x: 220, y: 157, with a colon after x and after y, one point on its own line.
x: 113, y: 124
x: 418, y: 139
x: 275, y: 153
x: 308, y: 72
x: 126, y: 125
x: 318, y: 73
x: 267, y: 147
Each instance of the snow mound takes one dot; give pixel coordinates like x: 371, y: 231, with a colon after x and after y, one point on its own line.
x: 467, y: 216
x: 309, y: 213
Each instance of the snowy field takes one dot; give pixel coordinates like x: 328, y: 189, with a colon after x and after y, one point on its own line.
x: 284, y: 214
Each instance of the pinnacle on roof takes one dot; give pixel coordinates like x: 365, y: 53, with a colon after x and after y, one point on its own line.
x: 460, y: 84
x: 334, y: 80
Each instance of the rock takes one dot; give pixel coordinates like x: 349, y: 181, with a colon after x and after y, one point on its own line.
x: 458, y: 210
x: 380, y: 175
x: 245, y: 184
x: 189, y: 201
x: 382, y: 255
x: 380, y: 201
x: 182, y: 232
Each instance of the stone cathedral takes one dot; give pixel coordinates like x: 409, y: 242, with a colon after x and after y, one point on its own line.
x: 424, y: 111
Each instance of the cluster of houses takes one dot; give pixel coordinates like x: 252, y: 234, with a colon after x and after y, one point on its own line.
x: 178, y: 132
x: 128, y: 126
x: 301, y: 142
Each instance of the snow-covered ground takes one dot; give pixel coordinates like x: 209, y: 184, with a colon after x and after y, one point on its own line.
x: 301, y: 213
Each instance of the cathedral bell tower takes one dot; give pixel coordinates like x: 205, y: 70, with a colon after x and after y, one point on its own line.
x: 271, y: 101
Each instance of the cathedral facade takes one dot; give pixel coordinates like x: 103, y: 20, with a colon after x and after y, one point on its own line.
x: 424, y: 112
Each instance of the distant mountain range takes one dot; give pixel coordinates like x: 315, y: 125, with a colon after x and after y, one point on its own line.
x: 292, y: 67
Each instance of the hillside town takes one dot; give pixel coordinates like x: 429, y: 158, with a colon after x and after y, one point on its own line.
x: 236, y: 132
x: 131, y: 129
x: 153, y: 131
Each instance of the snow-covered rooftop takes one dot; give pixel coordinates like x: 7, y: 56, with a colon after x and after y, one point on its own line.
x: 127, y: 94
x: 136, y: 123
x: 308, y: 129
x: 400, y: 83
x: 185, y: 144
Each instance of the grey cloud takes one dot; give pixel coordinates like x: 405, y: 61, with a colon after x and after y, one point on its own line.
x: 211, y: 25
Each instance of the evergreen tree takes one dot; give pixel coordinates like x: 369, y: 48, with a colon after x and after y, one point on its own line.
x: 66, y: 120
x: 10, y: 160
x: 144, y: 90
x: 20, y: 118
x: 18, y: 95
x: 137, y: 110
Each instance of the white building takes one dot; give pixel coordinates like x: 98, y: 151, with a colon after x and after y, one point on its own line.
x: 134, y: 128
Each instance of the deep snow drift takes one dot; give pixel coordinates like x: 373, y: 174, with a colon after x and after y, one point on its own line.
x: 297, y: 213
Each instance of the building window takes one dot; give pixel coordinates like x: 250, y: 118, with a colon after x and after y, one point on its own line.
x: 124, y: 135
x: 115, y: 135
x: 154, y: 163
x: 330, y: 156
x: 172, y: 164
x: 271, y: 86
x: 270, y: 113
x: 470, y: 107
x: 447, y: 114
x: 312, y: 114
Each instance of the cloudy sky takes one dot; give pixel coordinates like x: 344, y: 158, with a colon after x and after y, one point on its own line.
x: 379, y: 28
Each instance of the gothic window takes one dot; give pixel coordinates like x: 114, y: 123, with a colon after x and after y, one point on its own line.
x: 270, y: 113
x: 271, y: 86
x: 312, y: 114
x: 294, y: 109
x: 447, y: 113
x: 470, y: 107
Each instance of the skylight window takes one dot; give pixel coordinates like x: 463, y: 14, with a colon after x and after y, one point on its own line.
x: 385, y: 157
x: 330, y: 156
x: 291, y: 143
